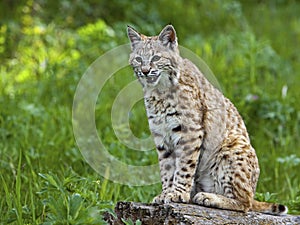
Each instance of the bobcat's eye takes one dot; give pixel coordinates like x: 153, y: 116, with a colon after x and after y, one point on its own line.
x: 139, y: 59
x: 155, y: 58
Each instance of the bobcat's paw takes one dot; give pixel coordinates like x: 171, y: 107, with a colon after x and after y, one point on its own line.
x: 159, y: 199
x: 206, y: 199
x: 177, y: 197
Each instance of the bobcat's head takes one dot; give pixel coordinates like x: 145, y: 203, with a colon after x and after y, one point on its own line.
x: 155, y: 59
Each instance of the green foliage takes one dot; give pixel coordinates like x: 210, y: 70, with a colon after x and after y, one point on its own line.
x: 71, y: 200
x: 266, y: 197
x: 46, y: 46
x: 130, y: 222
x: 294, y: 205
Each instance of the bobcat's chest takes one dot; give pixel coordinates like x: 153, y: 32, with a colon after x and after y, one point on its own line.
x: 164, y: 120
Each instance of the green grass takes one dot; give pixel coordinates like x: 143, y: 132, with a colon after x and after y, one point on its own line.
x: 251, y: 47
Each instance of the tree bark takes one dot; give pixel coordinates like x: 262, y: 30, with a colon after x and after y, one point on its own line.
x: 186, y: 214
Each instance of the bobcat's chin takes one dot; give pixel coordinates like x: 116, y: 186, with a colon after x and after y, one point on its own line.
x: 149, y: 81
x: 152, y: 79
x: 160, y: 81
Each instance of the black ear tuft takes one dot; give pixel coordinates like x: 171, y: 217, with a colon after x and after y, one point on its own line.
x: 133, y: 36
x: 168, y: 37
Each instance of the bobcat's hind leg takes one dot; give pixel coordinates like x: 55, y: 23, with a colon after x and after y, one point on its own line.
x: 219, y: 201
x: 233, y: 183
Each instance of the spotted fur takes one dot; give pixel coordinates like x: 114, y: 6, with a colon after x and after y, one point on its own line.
x: 203, y: 146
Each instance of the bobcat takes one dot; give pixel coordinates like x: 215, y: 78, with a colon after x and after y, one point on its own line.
x: 204, y: 150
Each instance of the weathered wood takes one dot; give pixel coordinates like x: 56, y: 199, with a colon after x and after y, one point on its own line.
x: 186, y: 214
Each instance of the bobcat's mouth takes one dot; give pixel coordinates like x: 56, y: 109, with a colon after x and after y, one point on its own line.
x: 151, y: 79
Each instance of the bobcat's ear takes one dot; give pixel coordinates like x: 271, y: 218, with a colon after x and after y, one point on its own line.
x: 133, y: 36
x: 168, y: 37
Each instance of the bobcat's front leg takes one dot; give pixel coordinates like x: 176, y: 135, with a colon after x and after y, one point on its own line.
x: 167, y: 169
x: 187, y: 155
x: 178, y: 165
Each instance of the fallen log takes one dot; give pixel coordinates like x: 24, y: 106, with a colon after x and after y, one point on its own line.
x: 187, y: 214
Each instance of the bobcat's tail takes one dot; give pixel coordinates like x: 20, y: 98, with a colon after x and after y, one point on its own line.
x: 269, y: 208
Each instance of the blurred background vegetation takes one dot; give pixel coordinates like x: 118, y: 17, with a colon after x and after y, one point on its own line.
x: 45, y: 47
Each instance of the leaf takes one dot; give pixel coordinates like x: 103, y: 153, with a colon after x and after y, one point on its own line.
x: 50, y: 179
x: 76, y: 203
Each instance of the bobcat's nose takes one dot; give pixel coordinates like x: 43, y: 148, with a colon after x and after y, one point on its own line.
x: 146, y: 70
